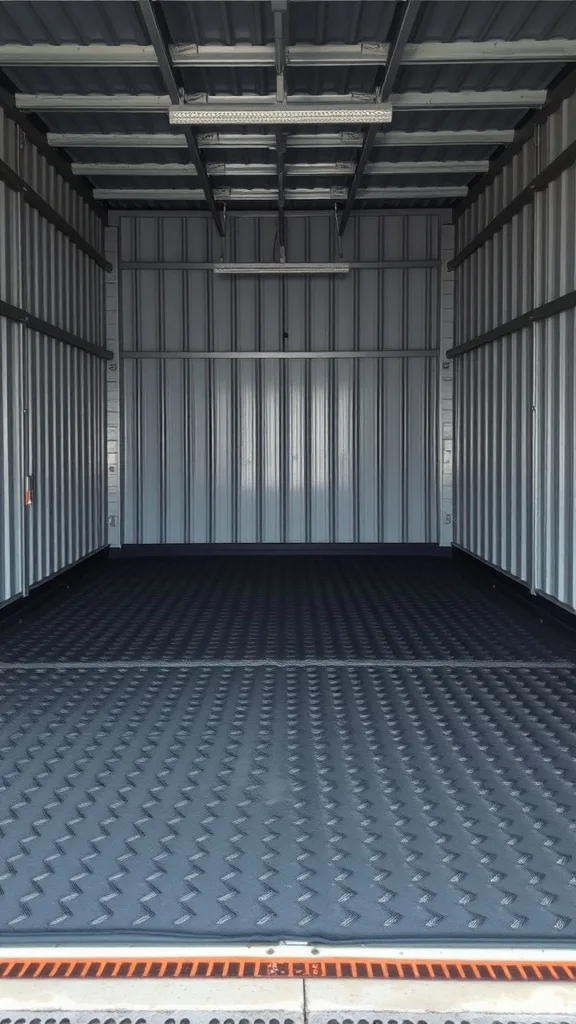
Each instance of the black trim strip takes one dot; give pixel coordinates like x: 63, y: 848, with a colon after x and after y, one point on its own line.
x: 14, y: 181
x: 547, y: 309
x: 562, y: 162
x: 196, y: 550
x: 538, y: 603
x: 555, y: 98
x: 38, y: 139
x: 20, y: 316
x: 45, y: 589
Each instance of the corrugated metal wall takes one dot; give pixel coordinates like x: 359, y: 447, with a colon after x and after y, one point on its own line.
x: 52, y: 403
x: 301, y: 447
x: 12, y: 575
x: 516, y: 397
x: 12, y: 552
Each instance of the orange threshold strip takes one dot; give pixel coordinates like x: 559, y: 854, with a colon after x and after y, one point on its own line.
x: 323, y: 967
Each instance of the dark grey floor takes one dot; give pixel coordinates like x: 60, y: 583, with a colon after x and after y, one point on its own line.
x: 403, y: 767
x: 281, y: 608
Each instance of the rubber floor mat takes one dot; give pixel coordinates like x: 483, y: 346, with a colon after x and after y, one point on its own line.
x: 425, y: 804
x: 281, y: 608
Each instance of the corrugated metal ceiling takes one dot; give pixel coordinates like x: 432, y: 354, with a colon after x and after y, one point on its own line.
x: 314, y: 22
x: 114, y: 22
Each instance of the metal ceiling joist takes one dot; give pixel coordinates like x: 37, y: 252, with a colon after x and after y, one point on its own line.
x: 162, y: 53
x: 495, y: 51
x: 407, y: 12
x: 271, y: 194
x: 229, y: 140
x: 344, y: 167
x: 153, y: 104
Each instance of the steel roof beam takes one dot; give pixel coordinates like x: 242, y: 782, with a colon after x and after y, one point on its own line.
x: 229, y: 140
x: 271, y: 194
x: 153, y: 104
x: 495, y: 51
x: 162, y: 52
x: 407, y: 13
x: 279, y: 8
x: 344, y: 167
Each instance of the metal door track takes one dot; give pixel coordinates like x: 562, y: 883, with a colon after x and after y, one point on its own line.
x: 309, y: 963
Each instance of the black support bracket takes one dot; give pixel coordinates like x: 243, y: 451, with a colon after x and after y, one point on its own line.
x: 547, y: 309
x: 563, y: 161
x: 556, y: 96
x: 14, y: 181
x: 34, y: 323
x: 38, y: 139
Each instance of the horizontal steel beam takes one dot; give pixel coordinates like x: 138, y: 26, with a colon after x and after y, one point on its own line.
x: 393, y: 353
x: 491, y: 51
x: 266, y: 140
x: 564, y: 160
x: 469, y: 99
x: 271, y: 194
x: 543, y: 312
x: 494, y: 51
x: 32, y: 198
x: 146, y: 103
x: 34, y: 323
x: 425, y: 167
x: 194, y: 265
x: 171, y: 170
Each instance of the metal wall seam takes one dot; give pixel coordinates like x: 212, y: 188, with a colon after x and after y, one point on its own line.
x: 516, y: 397
x: 274, y: 450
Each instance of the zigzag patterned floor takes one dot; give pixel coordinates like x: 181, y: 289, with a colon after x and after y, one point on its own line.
x: 388, y: 776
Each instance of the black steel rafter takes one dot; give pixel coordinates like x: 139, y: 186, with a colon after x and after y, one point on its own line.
x: 162, y: 51
x: 279, y: 8
x: 281, y: 175
x: 407, y: 11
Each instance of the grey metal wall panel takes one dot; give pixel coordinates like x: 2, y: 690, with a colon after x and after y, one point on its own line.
x: 254, y: 451
x: 514, y: 177
x: 311, y: 236
x: 65, y: 454
x: 10, y: 206
x: 51, y: 396
x: 280, y: 450
x: 12, y: 580
x: 493, y: 453
x: 61, y: 283
x: 555, y: 457
x: 516, y: 398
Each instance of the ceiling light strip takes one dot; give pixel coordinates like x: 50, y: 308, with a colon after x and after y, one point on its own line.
x: 208, y: 114
x: 281, y: 268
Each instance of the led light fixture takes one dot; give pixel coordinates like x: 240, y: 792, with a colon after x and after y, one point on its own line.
x: 281, y: 268
x: 209, y: 114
